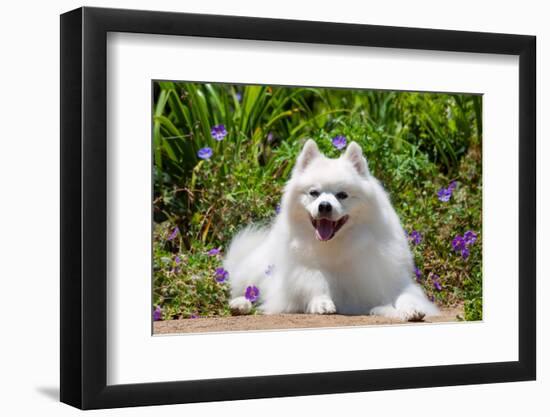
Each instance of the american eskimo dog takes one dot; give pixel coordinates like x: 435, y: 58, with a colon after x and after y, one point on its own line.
x: 336, y: 246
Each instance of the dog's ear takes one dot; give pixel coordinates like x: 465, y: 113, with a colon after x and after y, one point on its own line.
x: 309, y: 152
x: 354, y: 154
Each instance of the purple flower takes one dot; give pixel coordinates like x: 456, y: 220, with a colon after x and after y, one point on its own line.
x: 418, y: 274
x: 213, y: 252
x: 269, y: 269
x: 444, y: 194
x: 416, y: 237
x: 205, y: 153
x: 194, y: 316
x: 470, y: 237
x: 436, y: 283
x: 461, y: 243
x: 431, y: 298
x: 458, y: 243
x: 221, y: 274
x: 238, y: 96
x: 269, y: 137
x: 177, y: 260
x: 157, y: 313
x: 218, y: 132
x: 278, y: 208
x: 339, y: 142
x: 252, y: 293
x: 174, y: 233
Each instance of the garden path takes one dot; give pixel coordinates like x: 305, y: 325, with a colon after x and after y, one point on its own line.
x: 290, y: 321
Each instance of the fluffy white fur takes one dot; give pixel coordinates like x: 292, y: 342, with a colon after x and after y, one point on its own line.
x: 365, y: 268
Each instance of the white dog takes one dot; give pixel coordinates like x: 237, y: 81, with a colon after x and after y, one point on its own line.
x: 336, y: 246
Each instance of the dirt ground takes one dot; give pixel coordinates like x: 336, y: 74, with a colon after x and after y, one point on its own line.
x: 287, y: 321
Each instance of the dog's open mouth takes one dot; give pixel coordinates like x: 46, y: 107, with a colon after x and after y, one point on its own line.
x: 325, y: 229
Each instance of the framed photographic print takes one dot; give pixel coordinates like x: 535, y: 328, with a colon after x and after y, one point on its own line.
x: 258, y: 207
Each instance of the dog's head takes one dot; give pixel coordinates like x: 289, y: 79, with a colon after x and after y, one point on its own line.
x: 328, y: 194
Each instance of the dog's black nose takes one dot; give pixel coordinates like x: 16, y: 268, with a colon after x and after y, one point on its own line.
x: 325, y: 207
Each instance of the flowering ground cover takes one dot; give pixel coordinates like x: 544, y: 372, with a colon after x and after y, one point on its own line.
x: 222, y: 154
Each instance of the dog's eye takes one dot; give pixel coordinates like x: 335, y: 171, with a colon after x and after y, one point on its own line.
x: 341, y: 195
x: 314, y: 193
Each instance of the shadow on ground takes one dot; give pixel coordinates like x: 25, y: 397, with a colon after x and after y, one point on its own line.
x: 49, y: 392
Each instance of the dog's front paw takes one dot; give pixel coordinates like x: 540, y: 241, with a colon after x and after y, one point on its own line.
x: 321, y: 305
x: 240, y: 306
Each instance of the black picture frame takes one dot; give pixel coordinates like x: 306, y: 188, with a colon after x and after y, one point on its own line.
x: 84, y: 207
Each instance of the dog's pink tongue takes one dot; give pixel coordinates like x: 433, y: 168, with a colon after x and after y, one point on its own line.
x: 325, y: 228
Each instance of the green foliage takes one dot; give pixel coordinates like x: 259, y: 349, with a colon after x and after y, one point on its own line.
x: 439, y: 223
x: 185, y: 283
x: 415, y: 144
